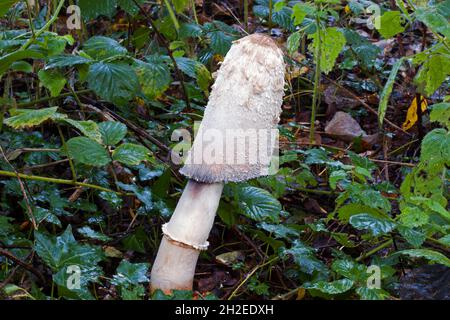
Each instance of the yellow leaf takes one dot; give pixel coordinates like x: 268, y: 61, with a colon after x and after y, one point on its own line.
x: 411, y: 115
x: 347, y: 9
x: 300, y: 294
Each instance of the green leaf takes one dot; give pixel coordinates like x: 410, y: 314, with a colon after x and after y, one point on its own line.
x: 89, y: 128
x: 129, y: 6
x: 220, y: 42
x: 114, y: 82
x: 387, y: 90
x: 92, y: 9
x: 258, y: 204
x: 130, y: 154
x: 26, y: 118
x: 350, y: 269
x: 66, y: 60
x: 22, y: 66
x: 432, y: 73
x: 377, y: 226
x: 428, y: 254
x: 88, y: 151
x: 88, y: 232
x: 433, y: 20
x: 130, y: 274
x: 440, y: 112
x: 5, y: 5
x: 335, y: 287
x: 53, y: 81
x: 300, y: 11
x: 154, y: 76
x: 180, y: 5
x: 332, y: 42
x: 280, y: 231
x: 365, y: 51
x: 304, y: 257
x: 100, y: 47
x: 112, y: 132
x: 436, y: 148
x: 372, y: 293
x: 8, y: 59
x: 390, y: 24
x: 414, y: 237
x: 335, y: 177
x: 293, y: 42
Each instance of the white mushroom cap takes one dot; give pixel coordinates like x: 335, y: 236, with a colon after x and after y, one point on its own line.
x: 244, y: 105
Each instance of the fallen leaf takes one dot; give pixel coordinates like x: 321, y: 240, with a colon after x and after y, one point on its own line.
x: 411, y: 115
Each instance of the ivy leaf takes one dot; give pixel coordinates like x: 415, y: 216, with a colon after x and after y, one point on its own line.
x: 114, y: 82
x: 304, y: 257
x: 53, y: 81
x: 258, y: 204
x: 130, y: 274
x: 349, y: 269
x: 100, y: 47
x: 365, y: 51
x: 432, y: 73
x: 130, y: 154
x: 332, y: 43
x: 88, y: 232
x: 154, y: 76
x: 377, y: 226
x: 26, y: 118
x: 428, y: 254
x: 335, y: 287
x: 390, y: 24
x: 92, y: 9
x: 112, y: 132
x: 88, y: 151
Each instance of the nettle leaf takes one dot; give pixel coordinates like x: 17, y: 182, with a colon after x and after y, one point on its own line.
x: 433, y: 20
x: 300, y: 11
x: 154, y: 76
x: 112, y: 132
x: 89, y: 128
x: 440, y: 112
x: 130, y: 154
x: 114, y: 82
x: 196, y: 70
x: 412, y: 217
x: 387, y: 90
x: 293, y: 42
x: 88, y: 151
x: 88, y: 232
x: 5, y: 5
x: 26, y: 118
x: 305, y: 258
x: 258, y: 204
x: 414, y: 237
x: 129, y: 6
x: 100, y: 47
x: 432, y: 73
x: 128, y: 273
x: 53, y: 80
x: 66, y: 60
x: 92, y: 9
x: 390, y: 24
x: 428, y: 254
x: 332, y: 43
x: 436, y: 148
x: 377, y: 226
x: 335, y: 287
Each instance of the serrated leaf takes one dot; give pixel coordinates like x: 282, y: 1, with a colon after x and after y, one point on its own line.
x: 154, y: 76
x: 390, y: 24
x: 53, y: 80
x: 88, y: 151
x: 26, y: 118
x: 436, y: 148
x: 428, y: 254
x: 305, y: 258
x: 66, y: 60
x: 414, y: 237
x: 334, y: 287
x: 332, y: 42
x: 377, y: 226
x: 258, y: 204
x: 112, y: 132
x: 300, y: 11
x: 114, y: 82
x: 130, y: 154
x: 432, y: 73
x: 440, y: 112
x: 89, y: 128
x: 433, y: 20
x: 387, y: 90
x: 100, y: 47
x: 93, y: 9
x: 293, y: 42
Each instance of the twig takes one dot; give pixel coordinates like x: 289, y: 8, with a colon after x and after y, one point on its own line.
x: 23, y: 264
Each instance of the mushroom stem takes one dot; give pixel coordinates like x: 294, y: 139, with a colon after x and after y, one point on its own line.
x: 184, y: 236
